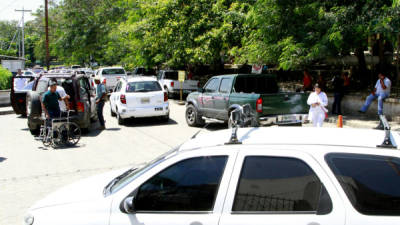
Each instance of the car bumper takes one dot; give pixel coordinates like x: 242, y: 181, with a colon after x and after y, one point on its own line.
x: 283, y: 120
x: 147, y: 111
x: 184, y: 91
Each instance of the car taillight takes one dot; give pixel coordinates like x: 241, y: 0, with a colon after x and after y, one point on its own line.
x: 80, y: 107
x: 123, y: 99
x: 165, y: 96
x: 172, y: 84
x: 198, y: 84
x: 259, y: 105
x: 104, y: 81
x: 20, y: 100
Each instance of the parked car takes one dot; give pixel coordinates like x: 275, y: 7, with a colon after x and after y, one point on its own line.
x: 222, y: 94
x: 169, y: 80
x: 139, y: 97
x: 273, y: 176
x: 21, y: 85
x: 110, y: 76
x: 141, y: 71
x: 82, y: 100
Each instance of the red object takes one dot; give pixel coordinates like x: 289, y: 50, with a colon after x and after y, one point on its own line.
x: 259, y: 105
x: 80, y: 107
x: 307, y: 82
x: 165, y: 96
x: 20, y: 100
x: 104, y: 81
x: 340, y: 121
x: 172, y: 84
x: 123, y: 99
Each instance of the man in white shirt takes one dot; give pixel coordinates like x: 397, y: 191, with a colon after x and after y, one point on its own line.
x: 19, y: 81
x: 380, y: 92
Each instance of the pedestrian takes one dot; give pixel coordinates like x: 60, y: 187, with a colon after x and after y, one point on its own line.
x: 321, y: 82
x: 307, y: 81
x: 19, y: 81
x: 318, y: 102
x: 50, y: 100
x: 380, y: 92
x: 100, y: 100
x: 338, y: 90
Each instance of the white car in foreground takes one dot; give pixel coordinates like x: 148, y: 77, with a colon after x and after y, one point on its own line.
x: 272, y: 176
x: 139, y: 97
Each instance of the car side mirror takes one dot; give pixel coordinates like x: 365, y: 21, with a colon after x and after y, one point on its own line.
x: 201, y: 90
x: 127, y: 205
x: 325, y: 202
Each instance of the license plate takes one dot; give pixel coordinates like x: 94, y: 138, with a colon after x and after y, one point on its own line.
x: 145, y: 100
x: 158, y: 109
x: 289, y: 118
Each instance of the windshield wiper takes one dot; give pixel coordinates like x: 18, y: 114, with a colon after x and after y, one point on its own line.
x: 107, y: 188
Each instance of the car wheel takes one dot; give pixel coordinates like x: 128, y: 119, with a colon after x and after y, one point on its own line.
x: 120, y: 120
x: 192, y: 117
x: 35, y: 131
x: 165, y: 118
x: 113, y: 114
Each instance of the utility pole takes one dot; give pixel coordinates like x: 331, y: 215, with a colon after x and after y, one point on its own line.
x: 23, y: 27
x: 46, y: 15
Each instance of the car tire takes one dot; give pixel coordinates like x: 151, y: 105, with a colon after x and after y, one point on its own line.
x: 35, y: 130
x: 120, y: 120
x: 165, y: 118
x: 192, y: 116
x: 113, y: 114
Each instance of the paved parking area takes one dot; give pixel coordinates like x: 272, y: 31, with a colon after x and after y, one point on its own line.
x: 28, y: 171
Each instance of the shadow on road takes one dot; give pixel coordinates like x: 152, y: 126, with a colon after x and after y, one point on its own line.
x: 2, y: 159
x: 94, y: 131
x: 216, y: 126
x: 147, y: 122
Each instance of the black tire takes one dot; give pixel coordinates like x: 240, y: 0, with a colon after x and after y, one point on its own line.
x: 165, y: 119
x: 120, y: 120
x: 34, y: 104
x: 193, y: 118
x: 35, y: 131
x: 113, y: 114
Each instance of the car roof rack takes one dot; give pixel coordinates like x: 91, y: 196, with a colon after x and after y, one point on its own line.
x: 387, y: 142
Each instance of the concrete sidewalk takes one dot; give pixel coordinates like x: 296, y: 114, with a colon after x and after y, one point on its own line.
x: 6, y: 110
x: 361, y: 121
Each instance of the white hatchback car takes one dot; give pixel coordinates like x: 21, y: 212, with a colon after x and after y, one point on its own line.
x: 273, y: 176
x: 139, y: 97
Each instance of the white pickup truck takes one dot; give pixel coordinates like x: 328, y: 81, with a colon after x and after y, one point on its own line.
x: 111, y: 75
x: 169, y: 80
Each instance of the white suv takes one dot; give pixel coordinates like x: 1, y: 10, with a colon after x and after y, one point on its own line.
x: 110, y: 76
x: 272, y: 176
x: 139, y: 97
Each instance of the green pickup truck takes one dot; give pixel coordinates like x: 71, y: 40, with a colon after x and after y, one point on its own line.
x: 222, y: 94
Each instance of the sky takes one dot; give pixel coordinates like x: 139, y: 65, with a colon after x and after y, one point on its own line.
x: 7, y: 9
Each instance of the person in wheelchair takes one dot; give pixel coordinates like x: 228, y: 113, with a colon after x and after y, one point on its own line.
x: 50, y: 101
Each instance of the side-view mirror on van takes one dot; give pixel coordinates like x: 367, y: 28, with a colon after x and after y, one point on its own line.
x: 200, y: 89
x: 127, y: 205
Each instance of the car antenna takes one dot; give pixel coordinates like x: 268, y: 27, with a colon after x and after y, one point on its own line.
x: 387, y: 142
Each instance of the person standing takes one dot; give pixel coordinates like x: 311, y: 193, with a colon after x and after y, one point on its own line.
x: 380, y: 92
x: 100, y: 100
x: 50, y: 100
x: 338, y: 89
x: 307, y: 81
x: 318, y: 102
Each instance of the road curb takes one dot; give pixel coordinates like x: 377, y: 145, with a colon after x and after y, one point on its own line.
x: 6, y: 112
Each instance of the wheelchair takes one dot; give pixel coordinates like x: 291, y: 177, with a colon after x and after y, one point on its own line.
x: 60, y: 132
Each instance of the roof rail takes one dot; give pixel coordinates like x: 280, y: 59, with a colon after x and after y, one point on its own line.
x: 387, y: 142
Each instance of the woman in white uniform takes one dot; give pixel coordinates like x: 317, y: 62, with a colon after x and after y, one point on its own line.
x: 318, y: 102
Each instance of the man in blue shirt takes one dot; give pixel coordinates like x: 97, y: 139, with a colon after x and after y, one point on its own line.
x: 50, y: 100
x: 100, y: 99
x: 380, y: 92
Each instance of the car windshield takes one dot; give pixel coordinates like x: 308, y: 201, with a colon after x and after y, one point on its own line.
x: 143, y: 86
x: 171, y: 75
x: 141, y: 169
x: 370, y: 182
x: 113, y: 71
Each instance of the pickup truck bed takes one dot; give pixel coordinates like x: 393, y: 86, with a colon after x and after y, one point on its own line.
x: 222, y: 94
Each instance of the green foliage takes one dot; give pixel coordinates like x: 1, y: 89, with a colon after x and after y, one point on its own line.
x: 5, y: 78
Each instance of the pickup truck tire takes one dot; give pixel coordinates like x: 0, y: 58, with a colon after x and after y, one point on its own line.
x: 193, y: 118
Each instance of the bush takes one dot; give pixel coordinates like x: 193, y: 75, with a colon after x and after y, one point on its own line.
x: 5, y: 78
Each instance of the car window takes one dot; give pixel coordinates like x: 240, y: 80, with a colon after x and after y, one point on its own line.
x: 256, y: 84
x: 42, y: 85
x: 226, y: 85
x: 84, y: 87
x: 113, y: 72
x: 212, y: 85
x: 144, y: 86
x: 370, y: 182
x: 277, y: 184
x: 189, y: 185
x: 173, y: 75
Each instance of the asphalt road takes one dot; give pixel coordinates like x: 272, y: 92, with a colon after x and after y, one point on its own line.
x: 29, y: 172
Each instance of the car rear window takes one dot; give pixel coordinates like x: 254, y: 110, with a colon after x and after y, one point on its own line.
x: 171, y: 75
x: 370, y: 182
x: 143, y: 86
x: 113, y: 71
x: 256, y: 84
